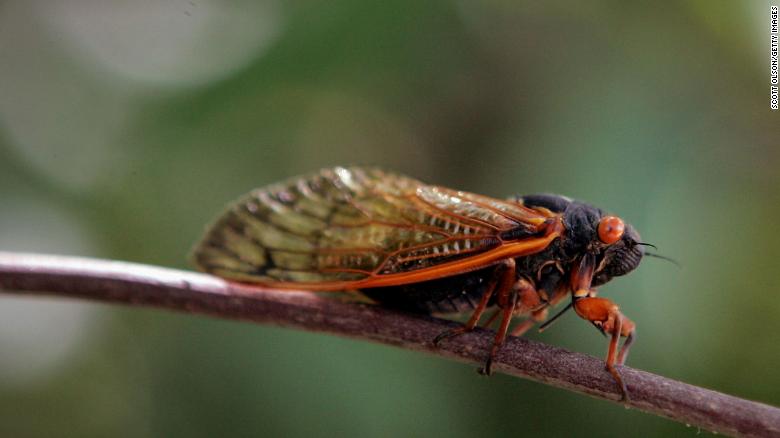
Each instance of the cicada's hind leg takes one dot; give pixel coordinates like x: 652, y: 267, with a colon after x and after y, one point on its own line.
x: 606, y: 316
x: 502, y: 278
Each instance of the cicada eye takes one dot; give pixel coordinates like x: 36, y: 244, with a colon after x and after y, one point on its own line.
x: 611, y: 229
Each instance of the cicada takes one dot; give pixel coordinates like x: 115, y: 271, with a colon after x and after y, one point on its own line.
x: 430, y: 249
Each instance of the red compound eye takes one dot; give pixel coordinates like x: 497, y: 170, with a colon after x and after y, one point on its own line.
x: 611, y: 229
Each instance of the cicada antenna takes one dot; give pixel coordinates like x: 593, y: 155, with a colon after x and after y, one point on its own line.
x: 647, y: 244
x: 663, y: 257
x: 658, y: 256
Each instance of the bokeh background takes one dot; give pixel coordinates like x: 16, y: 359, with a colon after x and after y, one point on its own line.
x: 125, y: 126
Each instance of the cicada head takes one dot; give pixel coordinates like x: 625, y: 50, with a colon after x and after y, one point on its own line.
x: 615, y: 244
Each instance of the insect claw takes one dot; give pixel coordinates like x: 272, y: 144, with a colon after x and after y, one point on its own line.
x: 448, y: 334
x: 487, y: 369
x: 442, y: 336
x: 600, y: 329
x: 619, y: 380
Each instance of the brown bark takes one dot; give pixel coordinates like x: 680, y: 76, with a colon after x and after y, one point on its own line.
x: 140, y: 285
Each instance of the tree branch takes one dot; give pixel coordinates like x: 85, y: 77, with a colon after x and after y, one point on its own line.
x: 140, y: 285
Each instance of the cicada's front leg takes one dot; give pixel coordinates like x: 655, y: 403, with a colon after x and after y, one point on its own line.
x: 606, y: 316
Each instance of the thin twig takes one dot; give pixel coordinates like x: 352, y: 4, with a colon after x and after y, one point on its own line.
x: 141, y: 285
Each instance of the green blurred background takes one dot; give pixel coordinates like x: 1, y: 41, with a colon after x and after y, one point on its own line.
x: 125, y: 126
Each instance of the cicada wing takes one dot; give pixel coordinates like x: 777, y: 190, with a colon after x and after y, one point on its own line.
x: 347, y: 226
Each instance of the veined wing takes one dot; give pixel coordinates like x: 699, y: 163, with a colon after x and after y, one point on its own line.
x: 346, y: 228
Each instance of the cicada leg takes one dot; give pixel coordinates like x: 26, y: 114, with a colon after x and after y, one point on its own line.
x: 507, y: 310
x: 502, y: 279
x: 520, y: 299
x: 520, y: 329
x: 606, y: 316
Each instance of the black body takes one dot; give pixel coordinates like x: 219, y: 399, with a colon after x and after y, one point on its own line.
x: 461, y: 292
x: 456, y: 294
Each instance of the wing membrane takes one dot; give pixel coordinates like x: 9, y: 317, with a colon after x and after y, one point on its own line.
x: 361, y: 227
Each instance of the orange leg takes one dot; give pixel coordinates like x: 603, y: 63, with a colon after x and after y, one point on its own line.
x: 529, y: 301
x: 506, y: 317
x: 606, y: 316
x: 627, y: 343
x: 511, y: 299
x: 501, y: 280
